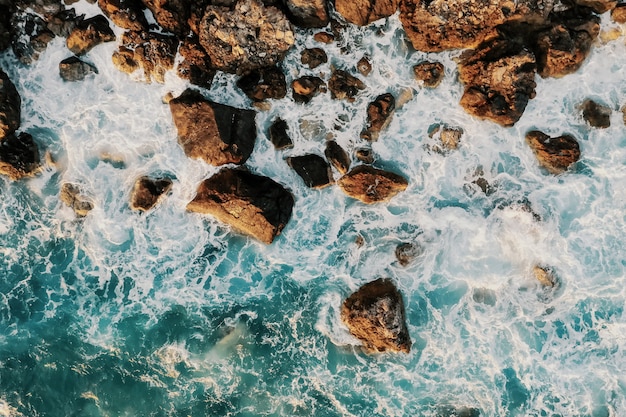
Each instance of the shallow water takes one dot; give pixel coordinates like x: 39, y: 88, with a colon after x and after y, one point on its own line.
x: 170, y: 313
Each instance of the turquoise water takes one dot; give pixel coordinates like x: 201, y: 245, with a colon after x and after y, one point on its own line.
x: 170, y: 313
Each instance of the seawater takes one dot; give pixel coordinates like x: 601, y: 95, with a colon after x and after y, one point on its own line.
x: 170, y: 313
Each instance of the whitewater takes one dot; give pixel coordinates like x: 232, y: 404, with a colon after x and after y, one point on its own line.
x: 171, y: 313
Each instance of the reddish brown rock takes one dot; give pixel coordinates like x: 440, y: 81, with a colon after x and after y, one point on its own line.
x: 596, y: 115
x: 196, y: 64
x: 375, y: 315
x: 151, y: 52
x: 554, y: 154
x: 127, y: 14
x: 364, y: 12
x: 19, y: 156
x: 344, y: 86
x: 364, y: 66
x: 324, y: 37
x: 308, y: 13
x: 254, y: 205
x: 307, y: 87
x: 313, y: 169
x: 216, y: 133
x: 618, y: 14
x: 73, y: 197
x: 379, y: 114
x: 148, y: 191
x: 337, y: 156
x: 10, y: 106
x: 89, y: 33
x: 372, y: 185
x: 171, y: 15
x: 313, y: 57
x: 429, y: 73
x: 264, y: 83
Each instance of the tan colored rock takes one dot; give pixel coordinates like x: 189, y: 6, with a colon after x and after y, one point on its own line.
x: 313, y: 57
x: 89, y: 33
x: 171, y: 15
x: 371, y: 185
x: 364, y: 12
x: 19, y: 156
x: 554, y: 154
x: 429, y: 73
x: 127, y: 14
x: 545, y: 276
x: 151, y: 52
x: 147, y: 192
x: 324, y: 37
x: 72, y: 196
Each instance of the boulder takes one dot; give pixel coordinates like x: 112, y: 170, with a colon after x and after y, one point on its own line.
x: 595, y: 114
x: 313, y: 169
x: 371, y: 185
x: 216, y: 133
x: 407, y: 252
x: 279, y: 135
x: 148, y: 191
x: 127, y: 14
x: 324, y: 37
x: 151, y: 52
x: 364, y: 155
x: 10, y: 106
x: 252, y: 204
x: 19, y: 156
x: 375, y: 315
x: 344, y: 86
x: 73, y: 69
x: 307, y: 87
x: 448, y: 137
x: 264, y: 83
x: 499, y: 79
x: 308, y: 13
x: 73, y: 197
x: 248, y: 37
x: 618, y: 14
x: 545, y: 276
x: 196, y: 64
x: 89, y: 33
x: 6, y: 13
x: 313, y: 57
x: 337, y: 156
x: 554, y: 154
x: 364, y: 12
x: 29, y: 36
x: 364, y: 66
x: 171, y: 15
x: 379, y: 114
x: 63, y: 23
x: 429, y: 73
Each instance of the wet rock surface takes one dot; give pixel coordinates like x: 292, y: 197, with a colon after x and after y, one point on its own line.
x: 555, y: 154
x: 151, y: 52
x: 407, y: 252
x: 344, y: 86
x: 147, y: 192
x: 73, y: 197
x: 171, y: 15
x: 264, y: 83
x: 545, y: 276
x: 10, y: 106
x: 364, y: 12
x: 596, y: 114
x: 371, y: 185
x: 313, y: 57
x: 19, y: 156
x: 127, y: 14
x: 308, y: 13
x: 196, y: 64
x: 88, y: 34
x: 337, y: 156
x: 379, y: 114
x: 29, y: 36
x: 364, y: 66
x: 73, y: 69
x: 307, y: 87
x: 429, y: 73
x: 313, y: 169
x: 279, y: 135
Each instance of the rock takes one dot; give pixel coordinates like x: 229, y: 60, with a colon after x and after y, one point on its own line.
x: 63, y: 23
x: 255, y: 205
x: 6, y: 13
x: 10, y: 106
x: 618, y: 14
x: 407, y: 252
x: 19, y: 156
x: 196, y: 64
x: 371, y: 185
x: 29, y: 36
x: 216, y: 133
x: 337, y: 156
x: 264, y: 83
x: 72, y: 196
x: 364, y: 66
x: 484, y: 186
x: 595, y: 114
x: 364, y: 12
x: 308, y: 13
x: 148, y: 191
x: 313, y: 57
x: 307, y: 87
x: 73, y: 69
x: 344, y: 86
x: 279, y: 136
x: 545, y: 276
x: 598, y: 6
x: 313, y: 169
x: 365, y: 155
x: 554, y: 154
x: 375, y: 315
x: 429, y: 73
x: 127, y: 14
x: 499, y: 80
x: 379, y: 114
x: 171, y: 15
x: 449, y: 138
x: 248, y: 37
x: 44, y: 8
x: 152, y: 52
x: 324, y: 37
x: 89, y: 33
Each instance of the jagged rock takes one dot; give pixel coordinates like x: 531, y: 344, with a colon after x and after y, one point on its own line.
x: 324, y: 37
x: 216, y: 133
x: 598, y: 6
x: 148, y: 191
x: 127, y: 14
x: 19, y: 156
x: 554, y: 154
x: 313, y: 169
x: 63, y: 23
x: 375, y: 315
x: 196, y: 13
x: 596, y: 115
x: 337, y: 156
x: 308, y: 13
x: 279, y: 136
x: 171, y: 15
x: 364, y: 155
x: 313, y: 57
x: 372, y: 185
x: 72, y: 196
x: 249, y: 37
x: 196, y: 64
x: 364, y: 12
x: 407, y: 252
x: 344, y: 86
x: 364, y: 66
x: 44, y: 8
x: 499, y: 80
x: 307, y: 87
x: 264, y: 83
x: 29, y: 36
x: 10, y: 106
x: 449, y: 138
x: 89, y: 33
x: 152, y: 52
x: 379, y: 114
x: 255, y: 205
x: 545, y: 276
x: 429, y: 73
x: 6, y: 12
x: 618, y: 14
x: 73, y: 69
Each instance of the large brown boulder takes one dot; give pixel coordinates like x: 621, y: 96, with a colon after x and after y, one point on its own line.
x: 308, y: 13
x: 371, y: 185
x: 19, y: 156
x: 554, y: 154
x: 151, y: 52
x: 379, y: 114
x: 364, y: 12
x: 127, y: 14
x: 10, y: 106
x: 171, y: 15
x: 255, y: 205
x: 216, y: 133
x: 375, y: 315
x: 499, y: 80
x: 148, y: 191
x: 89, y: 33
x: 248, y: 37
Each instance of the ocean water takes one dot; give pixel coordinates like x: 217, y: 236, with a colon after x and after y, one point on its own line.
x: 170, y: 313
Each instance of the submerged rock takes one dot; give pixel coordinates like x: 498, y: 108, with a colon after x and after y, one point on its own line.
x: 308, y: 13
x: 364, y: 12
x: 216, y: 133
x: 307, y: 87
x: 264, y: 83
x: 73, y: 69
x: 344, y: 86
x: 196, y: 64
x: 554, y: 154
x: 337, y: 156
x: 10, y: 106
x: 72, y: 196
x: 379, y: 114
x: 372, y: 185
x: 279, y: 135
x: 313, y: 169
x: 596, y: 115
x: 89, y: 33
x: 429, y: 73
x: 375, y: 315
x: 148, y: 191
x: 29, y: 36
x: 545, y: 276
x: 19, y: 156
x: 313, y: 57
x: 127, y: 14
x: 171, y: 15
x: 151, y: 52
x: 254, y: 205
